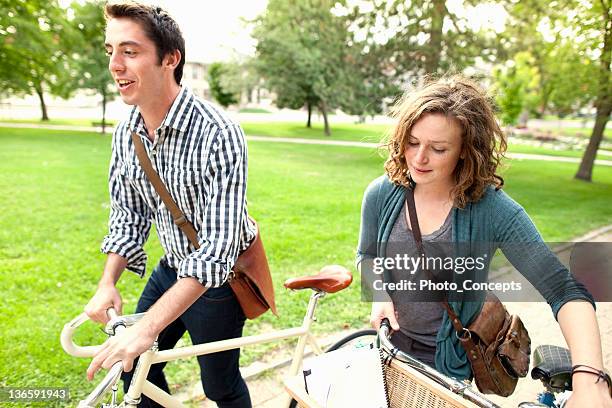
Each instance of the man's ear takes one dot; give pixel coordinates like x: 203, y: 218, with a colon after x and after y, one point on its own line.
x: 172, y: 59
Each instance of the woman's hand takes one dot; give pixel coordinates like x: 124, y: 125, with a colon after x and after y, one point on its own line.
x: 380, y: 310
x: 588, y: 394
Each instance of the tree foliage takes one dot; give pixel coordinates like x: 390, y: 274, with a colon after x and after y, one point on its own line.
x: 423, y: 37
x: 221, y: 86
x: 571, y: 42
x: 91, y: 62
x: 515, y: 88
x: 304, y: 54
x: 36, y: 44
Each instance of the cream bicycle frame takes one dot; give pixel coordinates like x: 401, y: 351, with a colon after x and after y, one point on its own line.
x: 141, y: 386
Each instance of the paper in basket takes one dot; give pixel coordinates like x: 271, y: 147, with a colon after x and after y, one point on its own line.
x: 348, y: 377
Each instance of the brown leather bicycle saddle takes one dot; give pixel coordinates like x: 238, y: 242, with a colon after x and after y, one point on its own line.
x: 553, y: 366
x: 330, y: 279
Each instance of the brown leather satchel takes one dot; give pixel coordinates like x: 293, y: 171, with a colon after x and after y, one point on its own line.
x: 250, y: 278
x: 497, y: 344
x: 498, y: 347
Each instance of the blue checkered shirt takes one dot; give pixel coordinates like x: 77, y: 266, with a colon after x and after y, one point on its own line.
x: 201, y: 156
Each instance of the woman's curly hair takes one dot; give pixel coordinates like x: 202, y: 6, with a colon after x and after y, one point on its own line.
x: 483, y: 142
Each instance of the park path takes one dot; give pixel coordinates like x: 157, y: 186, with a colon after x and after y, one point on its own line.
x: 346, y: 143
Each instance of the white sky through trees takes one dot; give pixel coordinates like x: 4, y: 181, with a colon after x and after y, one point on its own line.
x: 216, y: 31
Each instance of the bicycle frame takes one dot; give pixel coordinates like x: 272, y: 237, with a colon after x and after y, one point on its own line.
x: 140, y: 385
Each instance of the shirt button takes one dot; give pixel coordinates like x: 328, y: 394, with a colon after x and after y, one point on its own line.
x: 153, y: 152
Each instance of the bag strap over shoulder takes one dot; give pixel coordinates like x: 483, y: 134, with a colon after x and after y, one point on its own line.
x: 177, y: 215
x: 416, y: 232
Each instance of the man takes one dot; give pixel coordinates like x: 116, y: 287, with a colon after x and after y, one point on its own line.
x: 201, y: 156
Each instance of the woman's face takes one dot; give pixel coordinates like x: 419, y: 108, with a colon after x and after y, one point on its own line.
x: 434, y: 148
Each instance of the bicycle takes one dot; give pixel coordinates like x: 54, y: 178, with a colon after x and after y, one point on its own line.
x: 330, y: 279
x: 407, y: 378
x: 412, y: 384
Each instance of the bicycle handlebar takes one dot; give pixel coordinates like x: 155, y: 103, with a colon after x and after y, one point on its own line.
x: 456, y: 386
x: 68, y: 344
x: 73, y: 349
x: 115, y: 321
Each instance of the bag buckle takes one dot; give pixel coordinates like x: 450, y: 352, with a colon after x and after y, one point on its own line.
x: 466, y: 334
x: 180, y: 221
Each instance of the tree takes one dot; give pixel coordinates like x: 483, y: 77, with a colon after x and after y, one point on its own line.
x: 91, y: 62
x: 423, y: 37
x: 516, y: 87
x: 37, y: 42
x: 572, y: 45
x: 600, y: 20
x: 304, y: 55
x: 219, y: 88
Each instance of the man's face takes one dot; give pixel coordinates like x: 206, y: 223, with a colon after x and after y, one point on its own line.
x: 133, y: 61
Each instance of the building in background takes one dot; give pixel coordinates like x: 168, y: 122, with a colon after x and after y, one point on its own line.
x: 195, y: 76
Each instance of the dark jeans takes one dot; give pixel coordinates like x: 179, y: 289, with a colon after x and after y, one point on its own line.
x: 216, y: 315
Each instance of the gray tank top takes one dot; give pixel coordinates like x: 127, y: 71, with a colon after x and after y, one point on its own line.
x: 419, y: 321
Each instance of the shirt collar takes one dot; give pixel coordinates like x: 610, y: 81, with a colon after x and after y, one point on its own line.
x: 180, y: 112
x: 177, y: 117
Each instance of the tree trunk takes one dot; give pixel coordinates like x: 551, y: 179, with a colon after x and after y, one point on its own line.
x: 603, y: 102
x: 309, y: 106
x: 43, y: 106
x: 435, y: 37
x: 585, y: 171
x: 323, y: 109
x: 104, y: 110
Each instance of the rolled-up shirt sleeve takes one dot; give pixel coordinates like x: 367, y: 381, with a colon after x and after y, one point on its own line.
x: 223, y: 211
x: 130, y: 218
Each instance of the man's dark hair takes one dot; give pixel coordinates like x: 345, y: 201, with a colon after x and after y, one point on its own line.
x: 157, y: 25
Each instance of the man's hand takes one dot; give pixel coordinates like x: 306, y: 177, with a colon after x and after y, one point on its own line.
x: 125, y: 347
x: 135, y: 340
x: 106, y: 296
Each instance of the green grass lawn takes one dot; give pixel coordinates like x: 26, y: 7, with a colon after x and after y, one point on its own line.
x: 63, y: 122
x: 340, y: 131
x: 307, y: 199
x: 372, y: 133
x: 254, y: 110
x: 521, y: 148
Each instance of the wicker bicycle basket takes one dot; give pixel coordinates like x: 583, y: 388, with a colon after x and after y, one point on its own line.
x: 407, y: 388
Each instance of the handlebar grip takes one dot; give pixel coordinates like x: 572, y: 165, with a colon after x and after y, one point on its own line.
x: 111, y: 313
x: 386, y: 323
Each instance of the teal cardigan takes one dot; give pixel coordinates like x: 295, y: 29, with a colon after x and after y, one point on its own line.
x: 493, y: 220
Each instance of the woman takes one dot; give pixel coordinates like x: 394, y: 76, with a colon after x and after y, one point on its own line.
x: 447, y: 145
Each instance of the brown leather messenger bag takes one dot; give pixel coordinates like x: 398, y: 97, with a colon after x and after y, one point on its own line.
x: 497, y: 344
x: 250, y: 278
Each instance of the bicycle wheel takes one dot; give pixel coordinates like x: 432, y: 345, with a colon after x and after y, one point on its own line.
x: 365, y: 336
